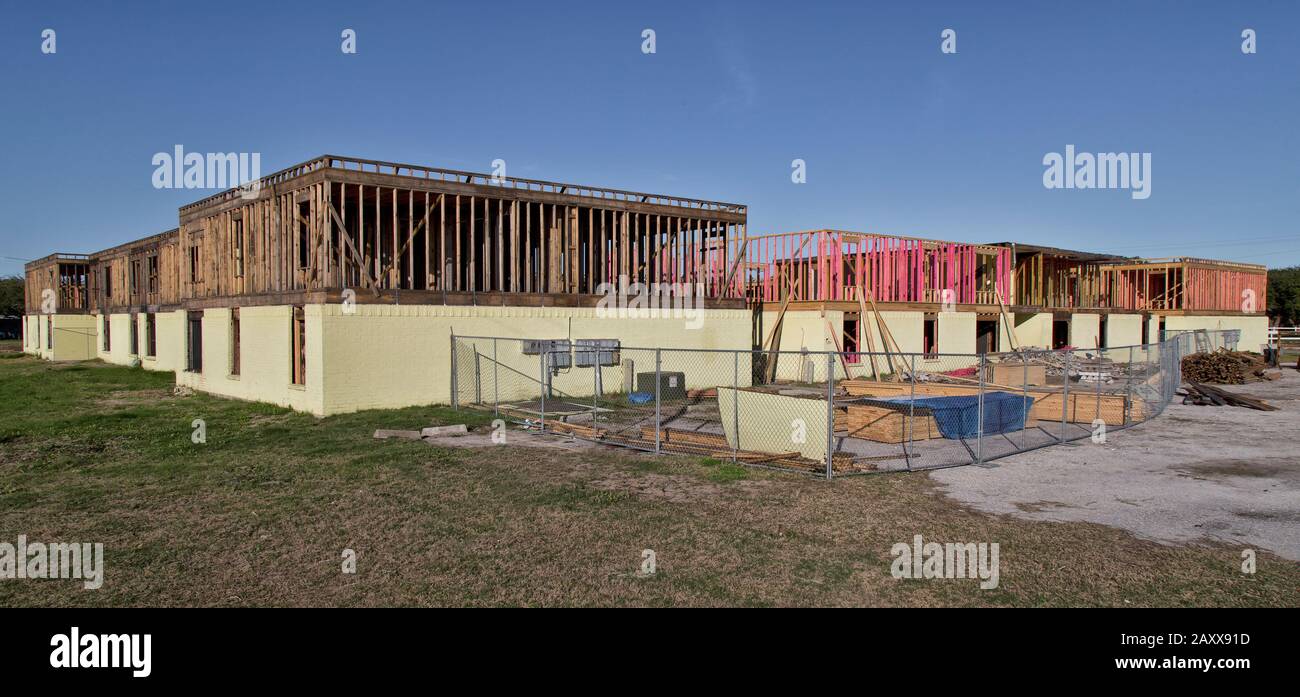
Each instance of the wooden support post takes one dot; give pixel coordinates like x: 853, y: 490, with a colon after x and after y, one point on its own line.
x: 428, y: 234
x: 774, y: 339
x: 528, y: 247
x: 864, y: 328
x: 514, y: 246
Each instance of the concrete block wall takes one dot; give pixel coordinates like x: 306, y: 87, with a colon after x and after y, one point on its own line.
x: 31, y: 329
x: 807, y: 330
x: 169, y: 342
x: 1085, y: 328
x: 384, y: 356
x: 1033, y: 329
x: 1254, y: 328
x: 73, y: 337
x: 119, y: 351
x: 1123, y: 330
x: 266, y: 372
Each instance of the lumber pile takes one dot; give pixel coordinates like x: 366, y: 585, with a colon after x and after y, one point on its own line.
x: 585, y: 432
x: 1224, y: 367
x: 1049, y: 404
x: 1207, y: 396
x: 884, y: 425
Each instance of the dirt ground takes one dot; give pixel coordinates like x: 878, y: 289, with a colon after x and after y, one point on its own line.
x: 1224, y: 474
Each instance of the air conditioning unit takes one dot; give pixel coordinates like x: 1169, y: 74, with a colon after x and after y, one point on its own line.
x: 556, y: 350
x: 593, y: 352
x: 672, y: 385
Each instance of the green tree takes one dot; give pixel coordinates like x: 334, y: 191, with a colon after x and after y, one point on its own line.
x: 1284, y: 296
x: 11, y: 296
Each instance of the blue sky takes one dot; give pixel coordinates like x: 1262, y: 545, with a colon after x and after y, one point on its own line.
x: 897, y: 136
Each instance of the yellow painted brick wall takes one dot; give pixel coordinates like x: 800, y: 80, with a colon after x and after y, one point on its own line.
x: 169, y: 342
x: 907, y: 329
x: 265, y: 355
x: 1123, y: 330
x: 384, y: 356
x: 806, y: 330
x: 119, y: 351
x: 32, y: 334
x: 957, y: 332
x: 1084, y: 328
x: 74, y: 337
x: 1254, y: 329
x: 39, y: 338
x: 1033, y: 329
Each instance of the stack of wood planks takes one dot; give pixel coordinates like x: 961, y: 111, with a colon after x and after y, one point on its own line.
x: 1224, y: 367
x: 586, y: 432
x: 1205, y: 395
x: 884, y: 425
x: 1083, y: 405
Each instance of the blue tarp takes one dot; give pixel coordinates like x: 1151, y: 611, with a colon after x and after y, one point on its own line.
x: 958, y: 417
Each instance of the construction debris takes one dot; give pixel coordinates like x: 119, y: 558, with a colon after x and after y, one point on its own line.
x: 430, y: 432
x: 1095, y: 369
x: 1224, y: 367
x: 439, y: 431
x: 1207, y: 396
x: 386, y: 433
x: 1049, y: 403
x: 683, y: 442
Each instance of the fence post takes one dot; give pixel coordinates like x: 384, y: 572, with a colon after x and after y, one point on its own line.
x: 1065, y: 394
x: 541, y: 362
x: 1101, y: 362
x: 1166, y: 353
x: 1176, y: 365
x: 478, y: 376
x: 1164, y: 371
x: 1025, y: 405
x: 1128, y: 388
x: 496, y: 381
x: 455, y: 403
x: 979, y: 416
x: 909, y: 445
x: 735, y: 404
x: 830, y: 414
x: 658, y: 381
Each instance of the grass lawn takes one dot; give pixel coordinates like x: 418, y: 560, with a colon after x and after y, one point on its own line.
x: 261, y: 513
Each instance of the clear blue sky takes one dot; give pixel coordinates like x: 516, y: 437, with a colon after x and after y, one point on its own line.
x: 897, y: 136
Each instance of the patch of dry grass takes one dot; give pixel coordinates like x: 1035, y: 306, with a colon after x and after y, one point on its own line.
x: 261, y: 514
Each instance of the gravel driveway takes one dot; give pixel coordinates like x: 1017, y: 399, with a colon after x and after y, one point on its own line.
x: 1192, y: 474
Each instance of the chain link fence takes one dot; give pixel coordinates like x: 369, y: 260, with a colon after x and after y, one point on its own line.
x: 824, y: 413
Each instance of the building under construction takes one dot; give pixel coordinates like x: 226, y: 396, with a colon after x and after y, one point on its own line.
x: 337, y: 284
